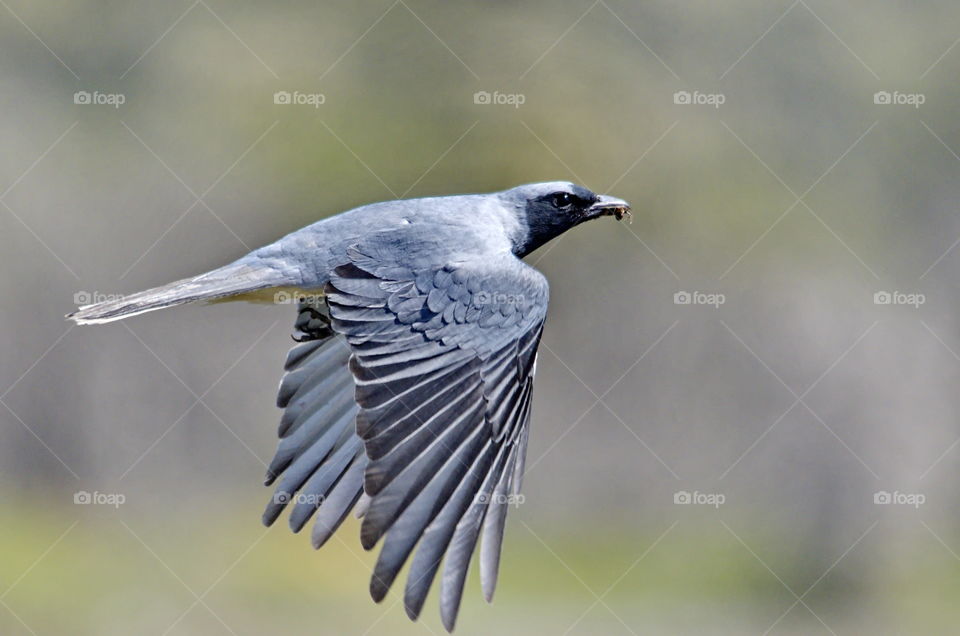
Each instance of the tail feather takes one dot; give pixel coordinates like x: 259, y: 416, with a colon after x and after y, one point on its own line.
x: 231, y: 280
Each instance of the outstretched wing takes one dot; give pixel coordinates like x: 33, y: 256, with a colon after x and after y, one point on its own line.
x: 319, y: 459
x: 443, y: 361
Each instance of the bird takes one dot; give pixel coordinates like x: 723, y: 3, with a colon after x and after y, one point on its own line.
x: 406, y: 398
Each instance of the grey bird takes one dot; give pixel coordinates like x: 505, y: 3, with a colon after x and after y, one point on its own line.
x: 407, y: 398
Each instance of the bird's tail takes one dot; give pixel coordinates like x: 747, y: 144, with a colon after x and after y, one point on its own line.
x: 226, y: 282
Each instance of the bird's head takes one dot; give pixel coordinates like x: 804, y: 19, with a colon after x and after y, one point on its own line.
x: 547, y: 210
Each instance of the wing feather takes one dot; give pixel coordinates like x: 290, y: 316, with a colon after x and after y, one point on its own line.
x: 319, y: 458
x: 442, y: 360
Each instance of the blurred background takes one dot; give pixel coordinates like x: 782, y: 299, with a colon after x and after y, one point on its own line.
x: 746, y: 416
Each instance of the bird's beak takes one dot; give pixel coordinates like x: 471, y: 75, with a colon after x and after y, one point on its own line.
x: 609, y: 206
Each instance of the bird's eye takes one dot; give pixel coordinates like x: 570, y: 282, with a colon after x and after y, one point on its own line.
x: 561, y: 200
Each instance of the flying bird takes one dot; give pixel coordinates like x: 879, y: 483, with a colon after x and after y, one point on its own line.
x: 407, y: 396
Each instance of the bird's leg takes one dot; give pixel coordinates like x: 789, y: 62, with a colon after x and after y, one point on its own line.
x: 313, y: 321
